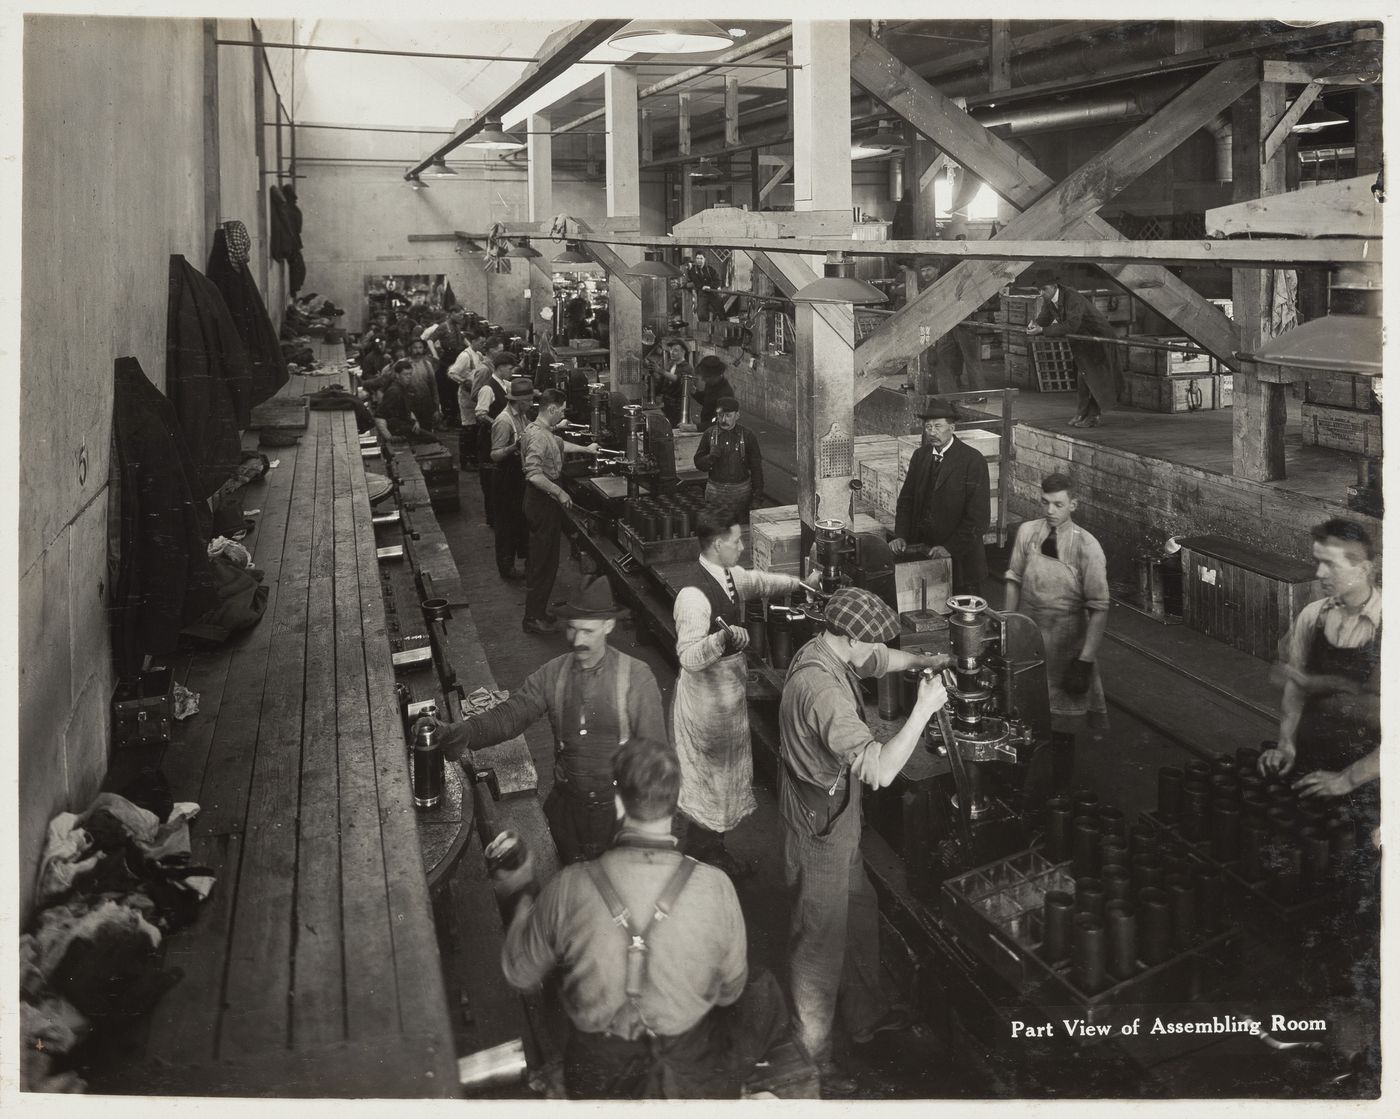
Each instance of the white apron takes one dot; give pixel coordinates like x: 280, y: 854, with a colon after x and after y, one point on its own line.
x: 1051, y: 596
x: 710, y: 727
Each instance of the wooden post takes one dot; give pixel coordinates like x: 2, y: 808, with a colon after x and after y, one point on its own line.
x: 539, y: 182
x: 1260, y: 409
x: 731, y: 112
x: 624, y: 197
x: 821, y: 133
x: 1368, y: 130
x: 999, y: 56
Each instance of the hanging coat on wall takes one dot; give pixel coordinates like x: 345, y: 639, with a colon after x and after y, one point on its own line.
x: 228, y: 270
x: 161, y: 579
x: 207, y: 376
x: 285, y: 226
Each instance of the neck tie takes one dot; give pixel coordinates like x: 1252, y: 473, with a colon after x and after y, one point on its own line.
x: 1050, y: 546
x: 729, y: 585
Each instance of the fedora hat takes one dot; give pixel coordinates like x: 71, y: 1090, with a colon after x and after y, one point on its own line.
x: 592, y: 601
x: 522, y: 388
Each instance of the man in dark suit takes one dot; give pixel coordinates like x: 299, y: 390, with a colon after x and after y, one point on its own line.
x: 1064, y: 311
x: 946, y: 500
x: 714, y: 386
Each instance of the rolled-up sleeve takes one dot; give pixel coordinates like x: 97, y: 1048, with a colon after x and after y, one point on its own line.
x: 528, y: 953
x: 696, y: 647
x: 838, y: 726
x: 1095, y: 576
x: 534, y: 454
x: 764, y: 584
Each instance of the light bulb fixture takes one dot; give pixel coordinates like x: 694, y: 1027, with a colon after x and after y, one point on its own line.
x: 705, y: 169
x: 416, y: 183
x: 438, y: 169
x: 491, y: 138
x: 1318, y: 117
x: 839, y: 286
x: 672, y: 36
x: 885, y: 140
x: 521, y: 250
x: 572, y: 254
x: 652, y: 267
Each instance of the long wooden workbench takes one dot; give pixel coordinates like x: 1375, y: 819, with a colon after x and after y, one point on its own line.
x: 313, y: 969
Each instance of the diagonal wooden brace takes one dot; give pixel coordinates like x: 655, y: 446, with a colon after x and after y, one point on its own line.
x: 1066, y: 210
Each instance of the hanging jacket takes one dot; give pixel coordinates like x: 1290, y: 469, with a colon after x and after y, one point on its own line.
x: 161, y: 579
x: 207, y: 375
x: 228, y: 271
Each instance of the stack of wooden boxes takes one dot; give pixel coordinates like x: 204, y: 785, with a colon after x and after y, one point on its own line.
x: 777, y: 537
x: 1341, y: 411
x: 988, y: 442
x: 1017, y: 312
x: 1171, y: 381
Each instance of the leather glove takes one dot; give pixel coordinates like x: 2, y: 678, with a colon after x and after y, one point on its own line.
x: 1077, y: 677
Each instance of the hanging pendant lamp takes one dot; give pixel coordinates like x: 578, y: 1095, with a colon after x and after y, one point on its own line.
x: 671, y: 36
x: 572, y: 254
x: 652, y: 267
x: 839, y: 286
x: 493, y: 138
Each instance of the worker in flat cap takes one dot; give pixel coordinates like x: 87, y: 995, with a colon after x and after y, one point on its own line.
x: 729, y: 453
x: 827, y: 752
x: 714, y: 385
x: 945, y: 501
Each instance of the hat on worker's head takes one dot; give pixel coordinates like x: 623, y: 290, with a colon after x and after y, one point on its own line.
x: 505, y: 357
x: 726, y: 404
x: 861, y: 615
x: 592, y: 601
x: 938, y: 410
x: 711, y: 366
x: 522, y: 388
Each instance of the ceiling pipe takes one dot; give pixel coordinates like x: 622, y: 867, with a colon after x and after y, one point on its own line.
x: 700, y: 70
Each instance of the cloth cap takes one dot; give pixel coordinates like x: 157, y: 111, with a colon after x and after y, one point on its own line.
x: 861, y: 615
x: 726, y: 404
x: 522, y: 388
x: 938, y: 410
x: 505, y: 357
x: 593, y: 600
x: 711, y: 366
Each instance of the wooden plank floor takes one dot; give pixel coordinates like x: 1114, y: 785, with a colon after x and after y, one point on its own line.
x: 313, y: 968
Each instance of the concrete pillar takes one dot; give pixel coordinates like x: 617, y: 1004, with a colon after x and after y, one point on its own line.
x: 624, y: 198
x: 1260, y: 410
x: 821, y: 122
x: 539, y: 184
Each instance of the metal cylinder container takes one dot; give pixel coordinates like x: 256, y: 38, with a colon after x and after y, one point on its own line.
x: 1059, y: 824
x: 1154, y: 925
x: 429, y: 774
x: 1170, y: 779
x: 1088, y: 972
x: 1058, y: 926
x: 1120, y: 923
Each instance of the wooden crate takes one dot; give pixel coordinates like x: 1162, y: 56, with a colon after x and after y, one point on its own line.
x: 1166, y: 362
x: 1342, y: 429
x: 1340, y: 390
x: 868, y: 468
x: 1173, y: 394
x: 1243, y: 595
x: 1053, y: 360
x: 776, y: 543
x: 1017, y: 309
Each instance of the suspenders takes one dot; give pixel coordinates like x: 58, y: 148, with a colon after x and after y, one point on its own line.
x: 624, y: 674
x: 622, y: 917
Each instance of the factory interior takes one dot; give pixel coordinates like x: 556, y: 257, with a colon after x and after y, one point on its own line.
x: 286, y: 593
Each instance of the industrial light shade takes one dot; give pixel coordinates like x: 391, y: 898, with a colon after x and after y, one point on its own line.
x: 467, y: 245
x: 671, y: 36
x: 521, y: 250
x: 416, y: 183
x: 438, y: 168
x: 1342, y: 343
x: 885, y: 140
x: 652, y: 267
x: 1318, y: 117
x: 838, y: 286
x: 573, y: 255
x: 491, y: 138
x: 705, y: 169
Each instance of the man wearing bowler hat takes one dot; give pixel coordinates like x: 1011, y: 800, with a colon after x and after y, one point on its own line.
x: 597, y: 699
x: 507, y: 435
x: 714, y: 386
x: 945, y: 501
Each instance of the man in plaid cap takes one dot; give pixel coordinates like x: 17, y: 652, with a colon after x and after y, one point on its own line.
x: 827, y: 751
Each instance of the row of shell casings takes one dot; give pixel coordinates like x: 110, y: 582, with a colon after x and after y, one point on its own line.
x: 664, y: 518
x: 786, y: 627
x: 1135, y: 903
x: 1258, y: 825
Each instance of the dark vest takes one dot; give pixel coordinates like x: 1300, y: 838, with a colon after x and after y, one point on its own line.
x: 721, y: 605
x: 499, y: 392
x: 1334, y: 731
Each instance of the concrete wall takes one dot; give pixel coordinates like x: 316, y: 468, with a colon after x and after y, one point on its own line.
x: 113, y: 184
x: 1131, y: 502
